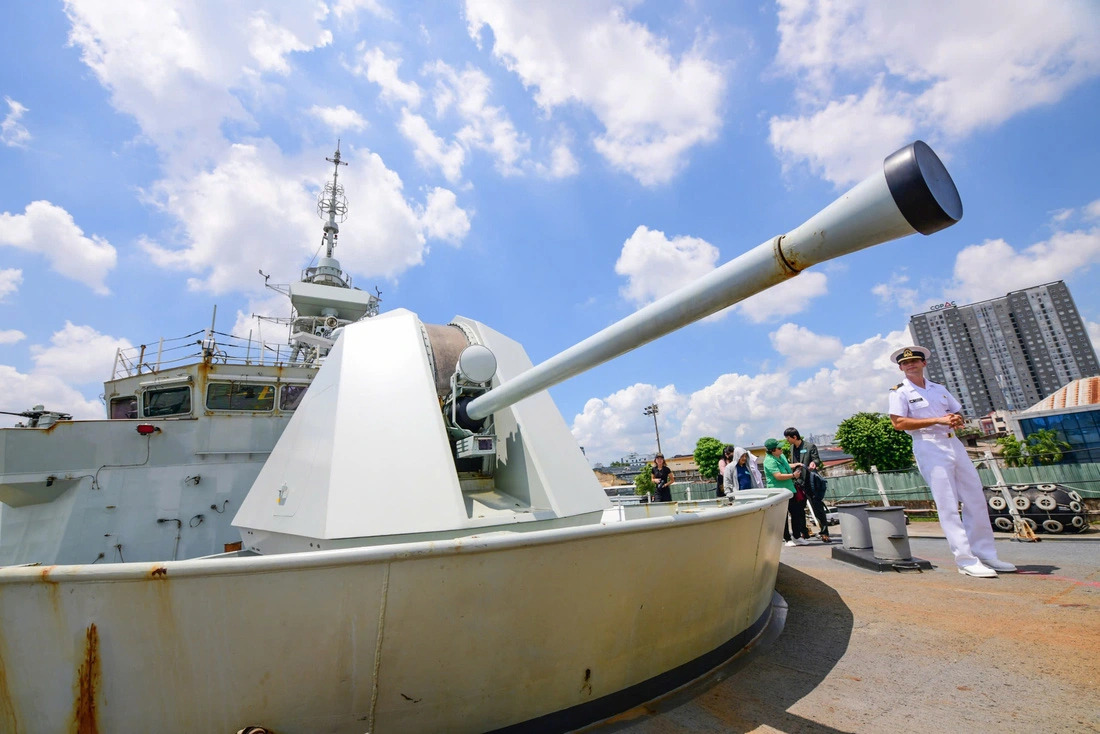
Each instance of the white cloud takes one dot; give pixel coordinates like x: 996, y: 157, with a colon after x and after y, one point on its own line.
x: 786, y: 299
x: 11, y: 336
x: 486, y: 127
x: 78, y: 354
x: 895, y: 292
x: 339, y: 118
x: 743, y: 409
x: 178, y: 66
x: 349, y: 8
x: 50, y: 230
x: 261, y: 331
x: 994, y: 267
x: 443, y: 219
x: 10, y: 279
x: 867, y: 71
x: 432, y: 151
x: 611, y: 427
x: 43, y: 389
x: 1092, y: 210
x: 258, y: 195
x: 847, y: 139
x: 654, y: 107
x: 656, y: 266
x: 563, y: 163
x: 12, y: 132
x: 802, y: 347
x: 381, y: 69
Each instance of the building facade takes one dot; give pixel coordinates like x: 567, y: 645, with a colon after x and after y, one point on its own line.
x: 1007, y: 353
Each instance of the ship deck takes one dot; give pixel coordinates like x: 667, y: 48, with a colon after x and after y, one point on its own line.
x: 861, y: 651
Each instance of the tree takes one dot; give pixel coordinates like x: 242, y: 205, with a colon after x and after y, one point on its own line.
x: 707, y: 453
x: 872, y: 441
x: 1044, y: 446
x: 643, y: 483
x: 1013, y: 451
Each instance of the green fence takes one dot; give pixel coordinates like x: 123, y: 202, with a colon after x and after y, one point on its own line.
x: 910, y: 485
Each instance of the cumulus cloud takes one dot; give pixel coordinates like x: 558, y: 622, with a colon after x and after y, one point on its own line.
x: 744, y: 409
x: 10, y: 279
x: 274, y: 336
x: 896, y: 292
x: 656, y: 265
x: 654, y: 107
x: 11, y: 336
x: 78, y: 354
x: 995, y: 267
x: 611, y: 427
x: 484, y: 126
x: 430, y: 150
x: 786, y: 299
x: 51, y: 391
x: 384, y: 70
x: 339, y: 118
x: 802, y: 347
x: 178, y: 66
x: 50, y: 230
x: 869, y: 74
x: 12, y: 132
x: 443, y: 219
x: 349, y: 8
x: 257, y: 194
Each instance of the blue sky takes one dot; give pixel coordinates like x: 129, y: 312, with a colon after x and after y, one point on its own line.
x: 546, y: 168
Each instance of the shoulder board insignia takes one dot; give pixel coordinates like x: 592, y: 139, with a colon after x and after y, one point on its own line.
x: 895, y: 387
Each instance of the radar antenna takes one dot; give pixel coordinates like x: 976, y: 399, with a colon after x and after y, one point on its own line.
x: 332, y: 204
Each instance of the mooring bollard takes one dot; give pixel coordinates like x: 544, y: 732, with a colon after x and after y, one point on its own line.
x: 889, y: 539
x: 855, y: 534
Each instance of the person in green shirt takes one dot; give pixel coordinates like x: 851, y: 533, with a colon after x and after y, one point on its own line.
x: 778, y: 472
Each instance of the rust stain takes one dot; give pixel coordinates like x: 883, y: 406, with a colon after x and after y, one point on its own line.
x: 230, y: 547
x: 160, y: 572
x: 87, y: 681
x: 8, y: 721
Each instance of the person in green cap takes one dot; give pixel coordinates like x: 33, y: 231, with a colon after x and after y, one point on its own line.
x: 778, y: 472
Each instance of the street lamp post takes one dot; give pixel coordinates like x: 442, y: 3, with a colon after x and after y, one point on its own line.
x: 652, y: 410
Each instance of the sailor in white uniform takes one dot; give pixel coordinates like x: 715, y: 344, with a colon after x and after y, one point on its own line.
x: 930, y: 414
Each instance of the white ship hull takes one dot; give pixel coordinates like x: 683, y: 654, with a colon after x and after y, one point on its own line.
x: 549, y: 628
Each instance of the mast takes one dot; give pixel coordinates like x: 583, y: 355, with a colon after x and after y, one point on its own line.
x: 333, y: 203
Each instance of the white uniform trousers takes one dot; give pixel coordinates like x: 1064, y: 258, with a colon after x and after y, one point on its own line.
x: 953, y: 479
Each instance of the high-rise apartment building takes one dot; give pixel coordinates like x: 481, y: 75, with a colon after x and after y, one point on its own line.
x: 1007, y: 353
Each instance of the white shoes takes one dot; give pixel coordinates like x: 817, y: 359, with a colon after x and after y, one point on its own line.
x: 999, y: 566
x: 980, y: 570
x: 790, y: 544
x: 801, y: 541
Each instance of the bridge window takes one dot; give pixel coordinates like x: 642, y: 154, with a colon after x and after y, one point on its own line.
x: 167, y: 401
x: 124, y: 407
x: 290, y: 396
x: 239, y: 396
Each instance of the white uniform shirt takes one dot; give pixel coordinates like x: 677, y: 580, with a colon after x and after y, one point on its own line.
x: 932, y: 401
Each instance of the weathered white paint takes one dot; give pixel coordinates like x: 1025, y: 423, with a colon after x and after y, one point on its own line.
x: 462, y: 635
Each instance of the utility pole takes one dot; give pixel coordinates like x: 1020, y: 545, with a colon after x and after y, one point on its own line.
x: 652, y: 410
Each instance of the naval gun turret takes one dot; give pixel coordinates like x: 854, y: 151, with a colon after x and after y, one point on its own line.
x: 426, y: 431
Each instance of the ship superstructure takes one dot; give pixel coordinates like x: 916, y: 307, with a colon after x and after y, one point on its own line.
x: 190, y: 422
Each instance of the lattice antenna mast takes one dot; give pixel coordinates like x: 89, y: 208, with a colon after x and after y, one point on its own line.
x: 332, y: 204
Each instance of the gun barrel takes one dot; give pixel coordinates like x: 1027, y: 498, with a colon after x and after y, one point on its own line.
x: 912, y: 193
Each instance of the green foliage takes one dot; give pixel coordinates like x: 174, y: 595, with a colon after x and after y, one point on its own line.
x: 643, y: 483
x: 1045, y: 447
x: 1013, y: 451
x: 872, y: 441
x: 707, y: 453
x: 1042, y: 447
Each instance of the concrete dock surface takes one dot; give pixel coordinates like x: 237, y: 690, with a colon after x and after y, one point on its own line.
x: 931, y: 651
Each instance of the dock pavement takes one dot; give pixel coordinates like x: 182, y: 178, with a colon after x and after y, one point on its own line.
x: 897, y: 652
